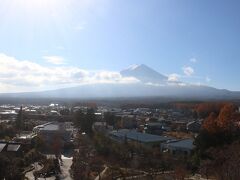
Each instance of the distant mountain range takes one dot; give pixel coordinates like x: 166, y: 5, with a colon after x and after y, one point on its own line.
x: 151, y: 84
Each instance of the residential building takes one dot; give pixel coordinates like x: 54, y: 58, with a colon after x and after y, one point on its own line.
x: 194, y: 126
x: 178, y: 147
x: 128, y: 122
x: 51, y: 131
x: 141, y: 138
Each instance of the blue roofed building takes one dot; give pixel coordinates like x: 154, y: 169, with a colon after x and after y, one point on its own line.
x: 179, y: 147
x: 134, y: 136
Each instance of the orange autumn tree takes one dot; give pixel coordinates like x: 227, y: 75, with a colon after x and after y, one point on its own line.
x: 219, y: 129
x: 227, y: 117
x: 210, y: 124
x: 225, y: 121
x: 205, y: 109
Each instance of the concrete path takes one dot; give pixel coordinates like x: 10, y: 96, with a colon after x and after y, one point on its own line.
x: 65, y: 167
x: 37, y: 167
x: 102, y: 173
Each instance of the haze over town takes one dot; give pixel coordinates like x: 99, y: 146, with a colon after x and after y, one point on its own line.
x: 119, y: 89
x: 54, y: 44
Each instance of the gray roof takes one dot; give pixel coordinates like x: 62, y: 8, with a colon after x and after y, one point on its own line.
x: 155, y: 124
x: 185, y: 143
x: 50, y: 127
x: 194, y: 122
x: 137, y: 136
x: 13, y: 147
x: 2, y: 146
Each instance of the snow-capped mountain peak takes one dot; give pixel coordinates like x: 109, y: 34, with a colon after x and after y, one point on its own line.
x: 132, y: 67
x: 144, y: 73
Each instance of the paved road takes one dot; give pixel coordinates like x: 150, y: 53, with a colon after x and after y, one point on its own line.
x: 37, y: 167
x: 65, y: 167
x: 102, y: 173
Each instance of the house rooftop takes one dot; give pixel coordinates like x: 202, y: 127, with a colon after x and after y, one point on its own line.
x: 13, y: 147
x: 137, y: 136
x: 185, y: 143
x: 50, y: 127
x: 47, y: 127
x: 2, y: 146
x: 155, y: 124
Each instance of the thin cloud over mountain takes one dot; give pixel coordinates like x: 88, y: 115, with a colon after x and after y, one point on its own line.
x: 73, y: 82
x: 18, y: 76
x: 56, y: 60
x: 25, y: 75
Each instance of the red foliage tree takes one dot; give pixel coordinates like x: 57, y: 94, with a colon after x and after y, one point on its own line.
x: 210, y: 124
x: 226, y: 118
x: 205, y: 109
x: 225, y: 121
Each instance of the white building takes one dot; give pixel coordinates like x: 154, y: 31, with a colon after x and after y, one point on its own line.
x: 51, y: 131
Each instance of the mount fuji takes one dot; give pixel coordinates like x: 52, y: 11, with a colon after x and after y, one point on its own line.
x: 145, y: 74
x: 150, y: 84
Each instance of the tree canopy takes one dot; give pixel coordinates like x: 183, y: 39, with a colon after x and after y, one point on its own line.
x: 220, y: 128
x: 84, y: 121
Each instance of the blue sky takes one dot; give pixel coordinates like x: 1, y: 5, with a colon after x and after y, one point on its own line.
x: 196, y: 41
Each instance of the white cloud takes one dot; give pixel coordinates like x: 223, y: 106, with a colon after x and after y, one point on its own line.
x: 198, y: 84
x: 182, y: 84
x: 19, y: 76
x: 173, y: 77
x: 193, y: 60
x: 57, y: 60
x: 208, y: 79
x: 154, y: 84
x: 188, y: 70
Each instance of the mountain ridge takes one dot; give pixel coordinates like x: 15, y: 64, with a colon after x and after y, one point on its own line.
x: 152, y: 84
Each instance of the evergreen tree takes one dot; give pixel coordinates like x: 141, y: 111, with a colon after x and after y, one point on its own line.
x: 85, y: 121
x: 19, y: 120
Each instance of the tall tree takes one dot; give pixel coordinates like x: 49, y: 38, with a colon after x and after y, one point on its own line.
x: 210, y: 124
x: 224, y: 162
x: 226, y: 118
x: 219, y: 130
x: 89, y: 120
x: 78, y: 118
x: 19, y: 120
x: 85, y: 121
x: 109, y: 118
